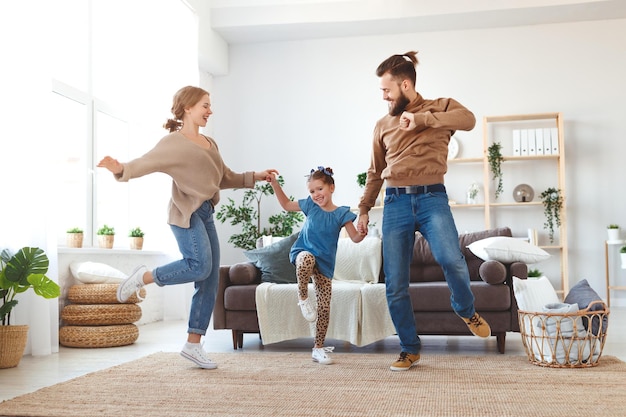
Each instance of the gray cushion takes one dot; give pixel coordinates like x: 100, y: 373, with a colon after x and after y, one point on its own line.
x: 583, y: 295
x: 273, y: 261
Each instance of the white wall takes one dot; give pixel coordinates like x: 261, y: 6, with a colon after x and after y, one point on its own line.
x: 296, y: 105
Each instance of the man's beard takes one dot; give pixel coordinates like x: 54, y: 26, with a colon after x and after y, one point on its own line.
x: 397, y: 106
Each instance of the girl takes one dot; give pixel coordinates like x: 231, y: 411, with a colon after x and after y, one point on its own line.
x: 315, y: 250
x: 198, y: 173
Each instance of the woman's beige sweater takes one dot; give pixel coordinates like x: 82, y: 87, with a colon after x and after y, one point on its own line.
x: 197, y: 174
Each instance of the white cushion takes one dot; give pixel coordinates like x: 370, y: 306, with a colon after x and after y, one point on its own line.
x: 358, y: 261
x: 507, y: 249
x: 268, y: 240
x: 533, y: 294
x: 96, y: 273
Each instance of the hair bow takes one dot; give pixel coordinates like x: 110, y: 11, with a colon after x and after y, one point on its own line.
x: 324, y: 170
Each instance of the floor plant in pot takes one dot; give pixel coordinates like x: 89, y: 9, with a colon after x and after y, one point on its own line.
x: 20, y: 272
x: 248, y: 215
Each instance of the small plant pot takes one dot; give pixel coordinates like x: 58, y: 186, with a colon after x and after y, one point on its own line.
x: 136, y: 243
x: 106, y: 241
x: 74, y: 240
x: 623, y: 256
x: 613, y: 234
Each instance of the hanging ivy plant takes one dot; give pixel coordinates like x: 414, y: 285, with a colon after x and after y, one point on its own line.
x: 552, y: 205
x: 495, y: 159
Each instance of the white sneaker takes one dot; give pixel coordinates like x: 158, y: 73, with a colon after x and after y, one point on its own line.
x: 320, y: 355
x: 195, y: 353
x: 131, y: 285
x: 308, y: 310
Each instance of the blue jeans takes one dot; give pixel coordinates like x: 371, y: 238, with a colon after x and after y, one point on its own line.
x: 200, y: 249
x: 430, y: 214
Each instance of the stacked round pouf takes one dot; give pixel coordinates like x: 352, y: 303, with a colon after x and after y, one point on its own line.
x: 95, y: 319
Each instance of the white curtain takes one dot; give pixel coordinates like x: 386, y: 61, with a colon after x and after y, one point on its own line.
x: 24, y: 143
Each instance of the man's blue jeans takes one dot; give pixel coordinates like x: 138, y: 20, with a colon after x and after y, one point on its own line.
x: 200, y: 249
x: 403, y: 215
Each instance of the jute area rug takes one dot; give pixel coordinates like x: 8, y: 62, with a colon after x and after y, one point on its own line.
x: 359, y: 385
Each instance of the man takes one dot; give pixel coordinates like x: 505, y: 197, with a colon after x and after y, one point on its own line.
x: 409, y: 152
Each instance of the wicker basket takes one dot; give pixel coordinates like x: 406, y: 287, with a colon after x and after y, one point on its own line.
x: 99, y: 294
x: 12, y: 345
x: 100, y: 314
x: 98, y: 336
x: 570, y: 340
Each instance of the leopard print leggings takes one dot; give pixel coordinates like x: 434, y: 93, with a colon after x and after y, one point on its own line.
x: 305, y: 269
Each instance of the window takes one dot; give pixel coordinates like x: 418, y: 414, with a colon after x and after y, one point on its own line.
x: 119, y: 64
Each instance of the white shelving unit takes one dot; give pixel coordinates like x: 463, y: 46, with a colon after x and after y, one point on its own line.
x: 611, y: 252
x: 541, y: 169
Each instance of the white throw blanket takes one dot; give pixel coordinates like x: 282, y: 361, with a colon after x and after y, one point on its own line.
x: 358, y: 313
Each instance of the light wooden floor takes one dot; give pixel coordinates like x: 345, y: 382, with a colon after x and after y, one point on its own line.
x: 35, y: 372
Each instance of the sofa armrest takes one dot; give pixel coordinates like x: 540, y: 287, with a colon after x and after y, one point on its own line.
x: 244, y: 273
x: 492, y: 272
x: 517, y: 269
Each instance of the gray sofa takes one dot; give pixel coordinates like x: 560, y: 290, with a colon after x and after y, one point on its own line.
x: 491, y: 283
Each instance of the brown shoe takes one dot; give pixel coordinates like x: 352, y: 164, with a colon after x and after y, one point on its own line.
x: 405, y: 361
x: 478, y: 326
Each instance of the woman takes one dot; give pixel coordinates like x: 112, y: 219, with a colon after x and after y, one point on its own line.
x: 198, y: 172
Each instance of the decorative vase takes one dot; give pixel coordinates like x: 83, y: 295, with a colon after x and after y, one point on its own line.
x: 613, y: 234
x: 106, y: 241
x: 136, y: 243
x: 12, y: 345
x: 74, y: 240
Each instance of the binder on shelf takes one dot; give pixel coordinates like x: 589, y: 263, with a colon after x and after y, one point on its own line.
x: 524, y: 142
x: 517, y: 144
x: 554, y: 140
x: 532, y: 143
x: 547, y: 143
x: 539, y: 142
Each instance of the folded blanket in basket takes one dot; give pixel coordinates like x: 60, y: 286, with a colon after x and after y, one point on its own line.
x: 564, y: 338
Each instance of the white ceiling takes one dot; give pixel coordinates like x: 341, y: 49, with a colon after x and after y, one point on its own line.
x: 248, y: 21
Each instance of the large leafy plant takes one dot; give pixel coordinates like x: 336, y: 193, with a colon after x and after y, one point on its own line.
x: 248, y: 215
x: 20, y: 272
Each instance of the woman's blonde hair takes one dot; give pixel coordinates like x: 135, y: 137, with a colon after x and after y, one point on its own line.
x: 183, y: 99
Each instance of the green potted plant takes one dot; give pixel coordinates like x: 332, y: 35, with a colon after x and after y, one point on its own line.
x: 136, y: 238
x: 74, y: 237
x: 613, y: 232
x: 20, y: 272
x: 361, y: 179
x: 106, y: 237
x: 534, y: 273
x: 622, y: 254
x: 552, y: 203
x: 495, y: 159
x: 248, y: 215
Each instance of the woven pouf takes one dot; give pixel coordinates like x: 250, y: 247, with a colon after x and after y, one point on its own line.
x: 100, y: 314
x: 95, y: 319
x: 99, y: 294
x: 98, y: 336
